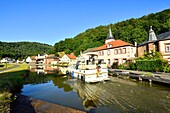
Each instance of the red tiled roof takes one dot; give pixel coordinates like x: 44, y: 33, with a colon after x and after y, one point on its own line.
x: 51, y: 55
x: 100, y: 48
x: 114, y: 44
x: 71, y: 56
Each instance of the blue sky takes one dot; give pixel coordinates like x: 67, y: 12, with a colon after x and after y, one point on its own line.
x: 49, y: 21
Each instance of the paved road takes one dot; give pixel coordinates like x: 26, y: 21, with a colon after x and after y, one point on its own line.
x: 6, y: 69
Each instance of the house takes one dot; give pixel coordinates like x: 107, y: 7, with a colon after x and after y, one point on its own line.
x: 114, y: 51
x: 20, y: 61
x: 68, y: 58
x: 28, y: 59
x: 40, y: 59
x: 7, y: 60
x: 51, y: 59
x: 160, y: 43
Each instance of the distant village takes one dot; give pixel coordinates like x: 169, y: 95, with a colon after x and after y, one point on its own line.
x: 113, y: 51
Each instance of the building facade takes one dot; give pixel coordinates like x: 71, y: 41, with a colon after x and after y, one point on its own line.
x: 68, y: 58
x: 115, y: 51
x: 160, y: 43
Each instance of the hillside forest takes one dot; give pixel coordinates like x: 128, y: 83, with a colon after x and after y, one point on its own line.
x: 20, y: 50
x: 131, y: 30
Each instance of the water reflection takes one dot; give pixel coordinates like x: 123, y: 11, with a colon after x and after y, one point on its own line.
x: 117, y: 95
x: 48, y: 69
x: 60, y: 83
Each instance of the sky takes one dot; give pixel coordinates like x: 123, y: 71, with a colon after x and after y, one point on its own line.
x: 50, y: 21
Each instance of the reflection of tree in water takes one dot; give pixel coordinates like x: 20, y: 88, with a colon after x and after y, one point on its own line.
x: 58, y: 81
x: 89, y: 104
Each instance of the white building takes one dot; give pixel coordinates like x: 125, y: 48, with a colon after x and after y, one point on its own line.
x: 115, y: 51
x: 28, y: 59
x: 70, y: 59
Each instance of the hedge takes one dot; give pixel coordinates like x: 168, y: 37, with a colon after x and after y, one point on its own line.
x: 150, y: 65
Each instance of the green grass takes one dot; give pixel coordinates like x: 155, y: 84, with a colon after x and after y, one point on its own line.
x: 20, y: 68
x: 6, y: 66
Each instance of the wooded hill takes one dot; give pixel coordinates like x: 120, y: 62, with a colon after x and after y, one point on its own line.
x: 23, y: 49
x: 132, y: 30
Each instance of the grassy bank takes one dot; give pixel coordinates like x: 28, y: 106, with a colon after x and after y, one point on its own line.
x: 11, y: 80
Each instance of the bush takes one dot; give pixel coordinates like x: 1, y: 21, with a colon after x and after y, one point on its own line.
x: 150, y: 65
x: 5, y: 100
x: 166, y: 69
x: 122, y: 66
x: 132, y: 66
x: 114, y: 65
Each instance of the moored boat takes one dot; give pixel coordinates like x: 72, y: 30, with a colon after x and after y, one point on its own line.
x: 89, y: 68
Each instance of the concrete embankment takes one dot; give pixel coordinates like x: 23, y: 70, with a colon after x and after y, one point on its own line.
x: 163, y: 78
x: 24, y: 104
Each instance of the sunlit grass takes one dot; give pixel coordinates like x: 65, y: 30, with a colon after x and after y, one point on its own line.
x: 20, y: 68
x: 7, y: 66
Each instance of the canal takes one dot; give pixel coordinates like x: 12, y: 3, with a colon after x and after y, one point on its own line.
x: 114, y: 96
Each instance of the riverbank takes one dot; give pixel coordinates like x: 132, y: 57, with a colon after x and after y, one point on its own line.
x: 25, y: 104
x: 159, y: 77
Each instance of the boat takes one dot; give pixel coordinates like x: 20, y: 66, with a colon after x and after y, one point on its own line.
x: 89, y: 68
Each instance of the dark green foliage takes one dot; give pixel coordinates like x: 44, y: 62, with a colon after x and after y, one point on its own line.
x: 23, y: 49
x: 122, y: 66
x: 115, y: 65
x: 152, y: 62
x: 132, y: 66
x: 56, y: 54
x: 132, y: 30
x: 150, y: 65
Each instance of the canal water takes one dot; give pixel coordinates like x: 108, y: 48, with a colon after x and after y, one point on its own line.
x: 114, y: 96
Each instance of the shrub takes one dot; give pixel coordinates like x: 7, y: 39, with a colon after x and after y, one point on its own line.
x: 166, y: 68
x: 5, y: 100
x: 132, y: 66
x: 122, y: 66
x: 114, y: 65
x: 150, y: 65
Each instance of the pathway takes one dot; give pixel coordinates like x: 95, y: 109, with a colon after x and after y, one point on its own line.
x: 7, y: 69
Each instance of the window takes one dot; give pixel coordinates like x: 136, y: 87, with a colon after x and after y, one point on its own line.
x: 124, y: 50
x: 120, y: 51
x: 108, y: 52
x: 102, y: 52
x: 99, y: 53
x: 124, y: 60
x: 116, y: 60
x: 116, y: 51
x: 108, y: 45
x: 131, y: 50
x: 108, y: 61
x: 167, y: 49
